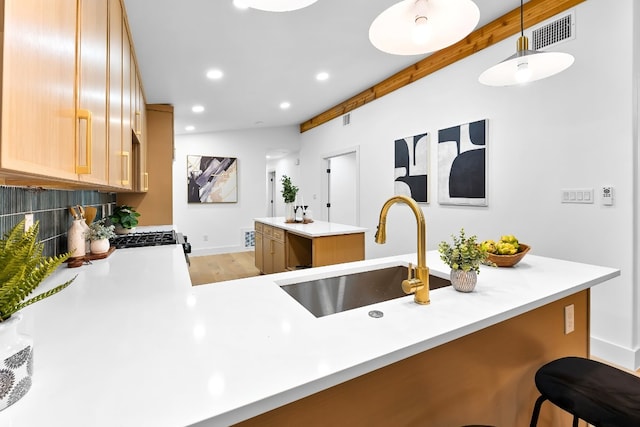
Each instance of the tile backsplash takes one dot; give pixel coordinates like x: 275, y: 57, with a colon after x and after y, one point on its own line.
x: 51, y: 209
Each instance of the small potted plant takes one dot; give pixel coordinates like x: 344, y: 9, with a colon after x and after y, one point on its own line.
x: 289, y: 192
x: 99, y: 234
x: 22, y: 270
x: 125, y: 219
x: 464, y: 257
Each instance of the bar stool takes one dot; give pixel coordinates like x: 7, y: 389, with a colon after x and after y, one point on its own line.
x: 599, y: 394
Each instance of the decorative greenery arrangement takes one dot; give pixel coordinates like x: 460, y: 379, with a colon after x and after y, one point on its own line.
x: 465, y: 254
x: 125, y: 215
x: 289, y: 190
x: 98, y: 230
x: 23, y: 268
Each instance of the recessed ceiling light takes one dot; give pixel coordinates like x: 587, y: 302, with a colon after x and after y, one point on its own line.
x: 215, y: 74
x: 285, y: 105
x: 197, y: 108
x: 322, y: 76
x: 190, y: 128
x: 240, y: 4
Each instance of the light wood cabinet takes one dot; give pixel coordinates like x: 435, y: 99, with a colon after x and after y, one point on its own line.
x: 259, y: 253
x: 38, y: 80
x: 273, y: 250
x: 156, y: 205
x: 92, y: 92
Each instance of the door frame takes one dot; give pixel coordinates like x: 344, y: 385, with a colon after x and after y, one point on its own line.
x: 326, y: 158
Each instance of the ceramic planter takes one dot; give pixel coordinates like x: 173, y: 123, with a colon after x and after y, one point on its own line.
x: 99, y: 246
x: 463, y: 281
x: 16, y: 362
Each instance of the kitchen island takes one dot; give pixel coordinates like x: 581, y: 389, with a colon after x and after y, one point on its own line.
x: 282, y: 246
x: 131, y: 343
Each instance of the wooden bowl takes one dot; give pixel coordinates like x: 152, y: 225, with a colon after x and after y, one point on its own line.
x: 510, y: 260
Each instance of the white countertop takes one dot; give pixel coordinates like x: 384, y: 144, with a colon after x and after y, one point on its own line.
x: 312, y: 229
x: 131, y: 343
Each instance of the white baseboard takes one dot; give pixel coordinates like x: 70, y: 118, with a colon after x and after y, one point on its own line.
x: 218, y: 250
x: 615, y: 354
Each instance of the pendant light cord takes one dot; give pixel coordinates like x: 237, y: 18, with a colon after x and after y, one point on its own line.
x: 521, y: 18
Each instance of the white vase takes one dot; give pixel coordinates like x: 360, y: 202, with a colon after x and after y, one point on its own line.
x: 16, y: 362
x: 75, y: 239
x: 100, y: 246
x: 289, y: 212
x: 463, y: 281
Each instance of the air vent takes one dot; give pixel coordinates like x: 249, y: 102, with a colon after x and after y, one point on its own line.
x: 346, y: 119
x: 554, y: 31
x: 249, y: 238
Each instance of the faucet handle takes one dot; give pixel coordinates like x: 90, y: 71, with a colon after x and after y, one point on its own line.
x: 411, y: 284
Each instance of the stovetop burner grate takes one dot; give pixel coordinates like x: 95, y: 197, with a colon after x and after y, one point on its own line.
x: 138, y: 240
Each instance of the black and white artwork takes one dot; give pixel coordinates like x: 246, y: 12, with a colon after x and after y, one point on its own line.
x: 212, y: 179
x: 411, y: 175
x: 462, y: 157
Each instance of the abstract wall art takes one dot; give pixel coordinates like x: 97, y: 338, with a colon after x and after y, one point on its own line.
x: 462, y: 161
x: 212, y: 179
x: 411, y: 174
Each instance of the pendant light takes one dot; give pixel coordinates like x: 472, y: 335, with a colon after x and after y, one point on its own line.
x: 277, y: 5
x: 415, y: 27
x: 525, y: 65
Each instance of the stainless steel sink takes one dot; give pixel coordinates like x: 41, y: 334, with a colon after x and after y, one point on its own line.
x: 331, y: 295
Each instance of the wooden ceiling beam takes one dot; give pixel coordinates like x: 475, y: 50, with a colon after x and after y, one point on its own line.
x: 535, y: 11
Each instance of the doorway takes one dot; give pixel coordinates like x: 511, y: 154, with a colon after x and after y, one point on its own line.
x: 271, y: 193
x: 343, y: 189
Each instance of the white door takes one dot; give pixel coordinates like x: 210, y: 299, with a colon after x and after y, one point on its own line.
x: 342, y: 203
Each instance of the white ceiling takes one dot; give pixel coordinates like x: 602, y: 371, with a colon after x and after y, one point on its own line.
x: 266, y: 57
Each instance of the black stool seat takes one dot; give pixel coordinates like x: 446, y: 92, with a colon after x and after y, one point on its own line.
x: 600, y: 394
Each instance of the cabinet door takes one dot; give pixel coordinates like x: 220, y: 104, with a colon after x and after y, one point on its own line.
x: 116, y: 155
x: 127, y: 131
x: 92, y: 92
x: 38, y: 78
x: 267, y: 254
x: 279, y: 260
x: 259, y: 253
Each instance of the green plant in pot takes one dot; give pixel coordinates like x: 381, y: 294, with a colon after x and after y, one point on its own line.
x: 125, y: 219
x: 99, y: 234
x: 464, y: 257
x: 289, y: 192
x: 22, y: 270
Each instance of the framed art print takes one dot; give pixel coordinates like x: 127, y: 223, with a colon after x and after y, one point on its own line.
x: 212, y: 179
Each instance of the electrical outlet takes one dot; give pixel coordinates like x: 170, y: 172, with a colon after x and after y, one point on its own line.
x: 28, y: 221
x: 569, y: 321
x: 205, y: 238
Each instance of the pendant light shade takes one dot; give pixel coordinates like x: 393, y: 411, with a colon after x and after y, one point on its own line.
x: 278, y: 5
x: 525, y: 65
x: 414, y: 27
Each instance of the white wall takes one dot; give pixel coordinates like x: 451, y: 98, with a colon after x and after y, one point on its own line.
x: 221, y: 224
x: 572, y: 130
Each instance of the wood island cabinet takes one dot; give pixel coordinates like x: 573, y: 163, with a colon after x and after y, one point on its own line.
x: 281, y: 247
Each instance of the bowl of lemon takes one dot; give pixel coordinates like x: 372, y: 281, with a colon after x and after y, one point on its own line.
x: 506, y: 252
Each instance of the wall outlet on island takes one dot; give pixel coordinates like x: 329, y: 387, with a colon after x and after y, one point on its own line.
x: 569, y: 321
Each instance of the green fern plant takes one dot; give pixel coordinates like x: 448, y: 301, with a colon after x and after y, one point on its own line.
x: 23, y: 268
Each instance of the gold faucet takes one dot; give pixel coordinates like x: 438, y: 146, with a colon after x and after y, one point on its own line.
x: 418, y: 279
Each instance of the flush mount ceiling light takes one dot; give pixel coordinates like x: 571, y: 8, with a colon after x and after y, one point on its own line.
x: 525, y: 65
x: 277, y: 5
x: 414, y: 27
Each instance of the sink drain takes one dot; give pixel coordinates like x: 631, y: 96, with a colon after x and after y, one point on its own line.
x: 376, y: 314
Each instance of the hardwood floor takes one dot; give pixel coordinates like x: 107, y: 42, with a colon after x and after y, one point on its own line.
x: 218, y: 268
